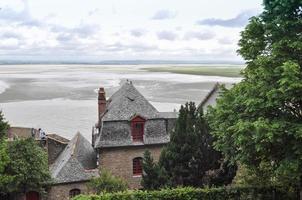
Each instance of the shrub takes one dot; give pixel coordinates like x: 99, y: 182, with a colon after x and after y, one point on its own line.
x: 106, y: 182
x: 238, y: 193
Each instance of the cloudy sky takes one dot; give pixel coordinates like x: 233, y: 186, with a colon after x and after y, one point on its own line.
x: 94, y: 30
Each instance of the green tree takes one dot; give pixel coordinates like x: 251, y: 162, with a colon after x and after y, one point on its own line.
x: 29, y: 166
x: 154, y: 176
x: 5, y: 179
x: 189, y: 154
x: 106, y: 182
x: 258, y: 122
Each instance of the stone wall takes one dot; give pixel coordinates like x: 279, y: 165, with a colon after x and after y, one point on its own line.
x: 119, y: 161
x: 61, y: 192
x: 54, y: 149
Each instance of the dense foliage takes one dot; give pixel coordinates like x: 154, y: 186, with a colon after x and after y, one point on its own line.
x: 189, y: 158
x: 258, y: 122
x: 239, y: 193
x: 29, y: 166
x: 106, y: 182
x: 23, y: 164
x: 4, y: 157
x: 154, y: 176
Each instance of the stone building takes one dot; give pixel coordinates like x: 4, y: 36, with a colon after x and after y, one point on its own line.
x: 127, y: 126
x: 72, y: 164
x: 72, y: 169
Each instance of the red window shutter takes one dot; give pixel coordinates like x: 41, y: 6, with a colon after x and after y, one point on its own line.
x: 137, y: 166
x: 137, y: 129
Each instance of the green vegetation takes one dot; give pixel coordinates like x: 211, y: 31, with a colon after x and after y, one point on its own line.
x: 28, y: 165
x: 23, y: 166
x: 258, y: 122
x: 106, y: 182
x: 228, y: 71
x: 188, y: 156
x: 5, y: 179
x: 154, y: 176
x: 238, y: 193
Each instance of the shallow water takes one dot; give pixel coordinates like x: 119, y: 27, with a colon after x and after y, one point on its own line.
x: 62, y: 98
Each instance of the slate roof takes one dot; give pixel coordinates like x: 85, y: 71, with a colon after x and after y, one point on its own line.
x: 128, y: 102
x: 76, y: 163
x: 210, y: 98
x: 122, y: 106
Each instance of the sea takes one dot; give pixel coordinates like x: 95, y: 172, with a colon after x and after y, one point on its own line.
x: 62, y: 98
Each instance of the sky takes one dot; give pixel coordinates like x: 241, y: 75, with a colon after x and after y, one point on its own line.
x: 96, y: 30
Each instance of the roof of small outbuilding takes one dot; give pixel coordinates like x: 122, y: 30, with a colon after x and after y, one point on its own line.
x: 128, y: 102
x: 76, y: 163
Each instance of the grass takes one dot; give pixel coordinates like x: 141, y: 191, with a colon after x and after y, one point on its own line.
x: 227, y: 71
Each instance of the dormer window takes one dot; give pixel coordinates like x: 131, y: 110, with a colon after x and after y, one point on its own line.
x: 137, y: 129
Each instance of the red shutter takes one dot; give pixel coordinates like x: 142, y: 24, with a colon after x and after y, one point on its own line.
x: 137, y: 166
x: 137, y: 129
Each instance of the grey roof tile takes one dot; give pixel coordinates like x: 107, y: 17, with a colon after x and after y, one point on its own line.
x: 75, y: 163
x: 128, y: 102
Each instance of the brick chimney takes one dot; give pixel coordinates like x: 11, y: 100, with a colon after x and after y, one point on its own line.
x: 101, y: 102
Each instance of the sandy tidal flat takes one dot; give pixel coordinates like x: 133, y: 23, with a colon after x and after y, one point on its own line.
x: 62, y: 99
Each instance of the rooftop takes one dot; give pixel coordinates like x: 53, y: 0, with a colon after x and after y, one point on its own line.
x: 128, y: 102
x: 76, y: 163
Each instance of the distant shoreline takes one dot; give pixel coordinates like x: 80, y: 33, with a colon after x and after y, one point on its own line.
x: 119, y: 62
x: 226, y: 71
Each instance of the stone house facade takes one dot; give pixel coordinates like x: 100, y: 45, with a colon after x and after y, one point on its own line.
x: 128, y: 125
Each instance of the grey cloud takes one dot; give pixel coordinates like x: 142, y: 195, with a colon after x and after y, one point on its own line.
x: 239, y: 21
x: 85, y: 30
x: 225, y: 40
x: 164, y: 14
x: 11, y: 35
x: 137, y: 32
x: 205, y: 35
x: 166, y: 35
x: 137, y: 47
x: 22, y: 17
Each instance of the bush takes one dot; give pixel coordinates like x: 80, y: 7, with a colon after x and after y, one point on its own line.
x: 238, y: 193
x: 107, y: 183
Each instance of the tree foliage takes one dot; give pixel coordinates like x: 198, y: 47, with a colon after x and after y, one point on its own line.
x: 4, y: 157
x: 29, y: 166
x: 258, y: 122
x: 189, y: 155
x: 154, y: 176
x: 106, y: 182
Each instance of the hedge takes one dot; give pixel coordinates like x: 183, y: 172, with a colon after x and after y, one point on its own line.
x: 234, y: 193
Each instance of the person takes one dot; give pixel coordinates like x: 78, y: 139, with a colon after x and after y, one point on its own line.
x: 33, y: 134
x: 42, y: 134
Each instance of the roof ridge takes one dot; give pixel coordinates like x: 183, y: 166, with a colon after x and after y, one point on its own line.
x: 209, y: 94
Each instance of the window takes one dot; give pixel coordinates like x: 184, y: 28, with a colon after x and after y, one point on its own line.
x: 137, y: 129
x: 137, y: 166
x: 74, y: 192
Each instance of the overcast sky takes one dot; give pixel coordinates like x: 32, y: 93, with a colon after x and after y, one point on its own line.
x: 93, y: 30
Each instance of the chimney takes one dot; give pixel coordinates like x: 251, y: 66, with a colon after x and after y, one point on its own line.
x: 101, y: 102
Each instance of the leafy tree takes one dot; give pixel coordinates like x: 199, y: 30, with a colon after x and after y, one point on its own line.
x: 106, y: 182
x: 189, y: 154
x: 3, y: 126
x: 154, y: 176
x: 258, y: 122
x: 29, y: 166
x: 4, y: 157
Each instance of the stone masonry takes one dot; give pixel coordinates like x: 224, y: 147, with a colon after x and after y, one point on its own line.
x: 119, y: 161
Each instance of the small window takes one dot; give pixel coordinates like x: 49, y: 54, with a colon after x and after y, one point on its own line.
x: 74, y: 192
x: 137, y: 129
x: 137, y: 166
